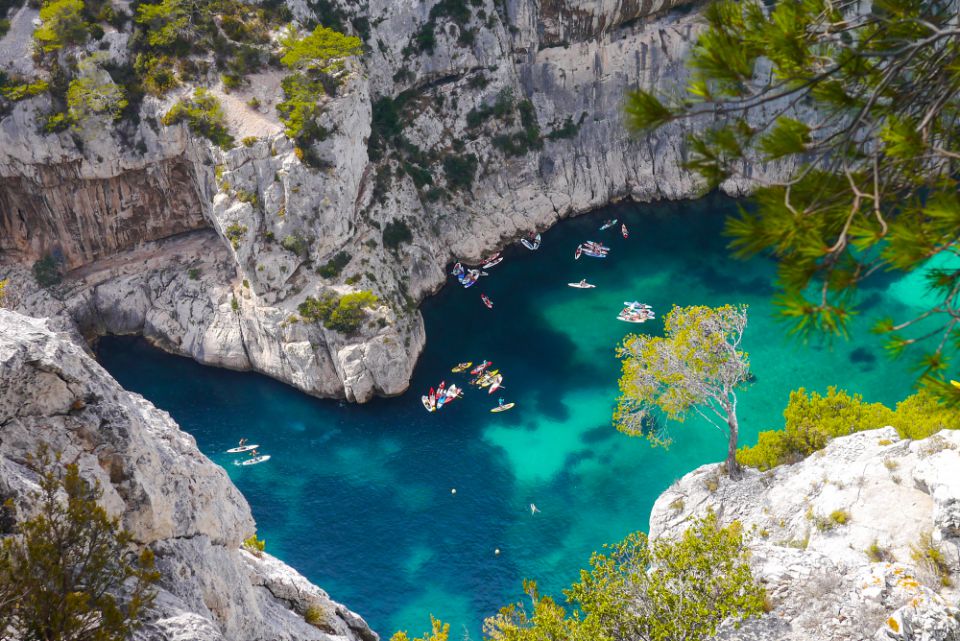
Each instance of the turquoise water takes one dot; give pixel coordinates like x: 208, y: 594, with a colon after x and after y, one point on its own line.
x: 358, y: 498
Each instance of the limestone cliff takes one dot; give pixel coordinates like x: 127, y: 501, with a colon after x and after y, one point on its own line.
x: 124, y: 211
x: 169, y: 496
x: 839, y: 538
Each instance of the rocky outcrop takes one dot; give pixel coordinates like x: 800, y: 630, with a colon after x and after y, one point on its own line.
x: 168, y: 495
x: 840, y: 540
x: 90, y: 201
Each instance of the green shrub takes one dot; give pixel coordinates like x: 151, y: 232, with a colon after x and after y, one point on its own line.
x: 4, y: 27
x: 396, y: 233
x: 878, y: 554
x: 47, y: 271
x: 344, y: 314
x: 62, y: 24
x: 255, y: 545
x: 235, y: 234
x: 297, y: 244
x: 15, y: 88
x: 811, y: 421
x: 460, y: 170
x: 333, y: 267
x: 203, y: 115
x: 315, y: 616
x: 193, y: 274
x: 249, y: 141
x: 88, y: 97
x: 70, y: 571
x: 321, y: 50
x: 234, y: 304
x: 931, y: 558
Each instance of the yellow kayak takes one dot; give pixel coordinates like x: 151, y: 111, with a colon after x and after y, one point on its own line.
x: 461, y: 367
x: 955, y: 384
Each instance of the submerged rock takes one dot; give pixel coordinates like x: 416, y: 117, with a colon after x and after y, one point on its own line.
x: 838, y: 539
x: 167, y: 494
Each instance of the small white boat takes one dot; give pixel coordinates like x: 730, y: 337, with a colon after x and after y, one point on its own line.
x: 254, y: 461
x: 242, y: 448
x: 533, y: 245
x: 581, y: 285
x: 493, y: 262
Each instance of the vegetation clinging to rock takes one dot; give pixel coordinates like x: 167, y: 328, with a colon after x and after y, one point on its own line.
x: 344, y: 314
x: 203, y: 115
x: 812, y: 420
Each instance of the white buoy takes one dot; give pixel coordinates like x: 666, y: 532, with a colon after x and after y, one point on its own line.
x: 497, y: 551
x: 453, y: 491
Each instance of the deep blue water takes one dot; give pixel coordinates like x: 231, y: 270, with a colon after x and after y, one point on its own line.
x: 358, y: 498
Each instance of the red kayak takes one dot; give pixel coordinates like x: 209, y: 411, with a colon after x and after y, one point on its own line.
x: 576, y: 255
x: 486, y: 301
x: 623, y: 230
x: 482, y: 366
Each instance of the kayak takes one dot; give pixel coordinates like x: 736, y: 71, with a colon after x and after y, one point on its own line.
x: 576, y: 255
x: 457, y: 270
x: 495, y: 385
x: 636, y: 304
x: 594, y: 254
x: 426, y: 403
x: 532, y: 246
x: 469, y: 282
x: 623, y: 230
x: 581, y: 285
x: 503, y: 408
x: 595, y: 246
x: 461, y: 367
x: 632, y: 319
x: 608, y: 224
x: 242, y: 448
x: 482, y: 366
x: 493, y: 263
x: 253, y: 461
x: 486, y: 301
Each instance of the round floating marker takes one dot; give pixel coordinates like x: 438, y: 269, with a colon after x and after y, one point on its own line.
x: 497, y: 551
x: 453, y: 491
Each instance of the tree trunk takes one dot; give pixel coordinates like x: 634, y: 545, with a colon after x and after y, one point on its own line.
x: 733, y: 469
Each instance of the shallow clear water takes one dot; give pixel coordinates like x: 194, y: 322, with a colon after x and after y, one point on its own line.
x: 359, y: 499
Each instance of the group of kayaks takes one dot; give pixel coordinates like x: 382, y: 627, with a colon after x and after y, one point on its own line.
x: 252, y: 451
x: 599, y: 250
x: 469, y: 277
x: 636, y: 312
x: 483, y: 377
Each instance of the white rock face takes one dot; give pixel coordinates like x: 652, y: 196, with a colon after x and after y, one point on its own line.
x: 279, y: 222
x: 169, y: 496
x: 822, y: 582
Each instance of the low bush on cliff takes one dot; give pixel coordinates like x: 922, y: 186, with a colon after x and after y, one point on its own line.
x: 344, y: 314
x: 812, y: 420
x: 70, y: 571
x: 203, y: 115
x: 47, y: 271
x: 396, y: 233
x: 640, y: 589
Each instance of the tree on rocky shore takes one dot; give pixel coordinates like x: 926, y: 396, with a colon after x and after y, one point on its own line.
x: 69, y: 573
x: 862, y: 103
x: 643, y: 590
x: 697, y: 365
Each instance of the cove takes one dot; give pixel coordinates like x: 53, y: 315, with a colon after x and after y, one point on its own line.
x: 358, y: 498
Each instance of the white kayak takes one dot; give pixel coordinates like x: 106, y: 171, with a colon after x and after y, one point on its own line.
x: 581, y: 285
x: 242, y: 448
x: 492, y: 263
x: 633, y: 319
x: 636, y: 304
x: 503, y: 408
x: 253, y: 461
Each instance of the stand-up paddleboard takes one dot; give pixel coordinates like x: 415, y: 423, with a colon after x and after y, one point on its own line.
x: 581, y: 285
x: 242, y: 448
x: 254, y: 461
x: 503, y: 408
x: 608, y: 224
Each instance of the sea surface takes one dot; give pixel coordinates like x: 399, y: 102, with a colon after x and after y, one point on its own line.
x: 359, y: 498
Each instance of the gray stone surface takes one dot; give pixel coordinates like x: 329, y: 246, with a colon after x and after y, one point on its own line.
x: 820, y: 580
x: 168, y: 495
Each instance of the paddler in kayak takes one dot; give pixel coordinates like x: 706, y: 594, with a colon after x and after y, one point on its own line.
x: 242, y: 442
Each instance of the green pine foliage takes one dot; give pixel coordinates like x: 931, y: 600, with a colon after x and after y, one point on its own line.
x: 344, y: 314
x: 90, y: 97
x: 203, y: 115
x: 396, y: 233
x: 439, y: 631
x: 62, y: 24
x: 323, y: 50
x: 811, y: 421
x: 861, y: 101
x: 70, y: 571
x: 640, y: 589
